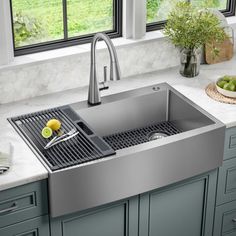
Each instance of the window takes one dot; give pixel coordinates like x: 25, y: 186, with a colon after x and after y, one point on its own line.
x: 47, y: 24
x: 40, y: 25
x: 158, y: 10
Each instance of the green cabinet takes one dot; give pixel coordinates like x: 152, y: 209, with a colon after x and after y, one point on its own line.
x: 225, y: 212
x: 180, y: 210
x: 225, y: 220
x: 226, y: 190
x: 24, y: 210
x: 34, y: 227
x: 23, y: 202
x: 230, y: 144
x: 117, y: 219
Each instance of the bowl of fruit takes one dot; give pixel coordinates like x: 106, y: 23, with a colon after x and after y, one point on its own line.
x: 226, y: 85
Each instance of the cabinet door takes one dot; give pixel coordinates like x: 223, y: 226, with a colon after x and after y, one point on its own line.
x: 118, y: 219
x: 230, y: 144
x: 226, y: 190
x: 23, y: 203
x: 225, y: 220
x: 181, y: 210
x: 35, y: 227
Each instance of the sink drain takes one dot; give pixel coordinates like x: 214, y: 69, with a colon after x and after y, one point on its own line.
x: 156, y: 135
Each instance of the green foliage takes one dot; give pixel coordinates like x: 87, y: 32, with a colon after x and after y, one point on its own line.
x: 158, y: 9
x: 210, y: 3
x: 84, y: 17
x: 189, y: 27
x: 26, y: 28
x: 152, y: 8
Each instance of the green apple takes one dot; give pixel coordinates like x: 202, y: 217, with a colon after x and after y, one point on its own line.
x: 221, y: 83
x: 227, y: 78
x: 229, y: 87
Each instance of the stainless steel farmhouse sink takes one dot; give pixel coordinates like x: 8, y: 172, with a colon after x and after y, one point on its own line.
x: 151, y: 137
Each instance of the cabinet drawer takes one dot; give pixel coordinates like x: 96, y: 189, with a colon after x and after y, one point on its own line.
x: 230, y: 144
x: 34, y: 227
x: 22, y: 203
x: 225, y: 220
x: 226, y: 190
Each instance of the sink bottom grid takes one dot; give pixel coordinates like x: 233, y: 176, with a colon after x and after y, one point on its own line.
x: 141, y: 135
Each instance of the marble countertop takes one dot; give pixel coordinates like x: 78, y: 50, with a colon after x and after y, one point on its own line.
x: 25, y: 165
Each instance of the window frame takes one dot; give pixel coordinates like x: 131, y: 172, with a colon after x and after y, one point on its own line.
x: 131, y: 25
x: 6, y: 41
x: 66, y: 41
x: 229, y: 11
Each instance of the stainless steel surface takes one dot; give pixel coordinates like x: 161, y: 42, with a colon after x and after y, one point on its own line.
x: 155, y: 136
x: 57, y: 139
x: 94, y: 96
x: 62, y: 140
x: 141, y: 168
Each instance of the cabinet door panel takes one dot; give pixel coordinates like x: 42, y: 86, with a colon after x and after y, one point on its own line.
x: 23, y: 202
x: 225, y: 220
x: 226, y: 190
x: 113, y: 220
x: 178, y: 210
x: 35, y: 227
x: 181, y: 210
x: 230, y: 144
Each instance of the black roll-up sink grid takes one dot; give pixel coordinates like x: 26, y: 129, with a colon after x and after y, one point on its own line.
x: 134, y: 137
x: 84, y: 147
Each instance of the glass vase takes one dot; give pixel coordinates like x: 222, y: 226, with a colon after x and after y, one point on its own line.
x: 190, y: 62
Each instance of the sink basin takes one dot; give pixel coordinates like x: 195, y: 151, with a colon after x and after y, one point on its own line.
x: 196, y: 147
x: 161, y: 104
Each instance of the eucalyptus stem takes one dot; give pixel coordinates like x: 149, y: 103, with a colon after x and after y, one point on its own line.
x: 190, y: 27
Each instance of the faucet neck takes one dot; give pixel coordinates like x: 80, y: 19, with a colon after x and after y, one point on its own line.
x: 110, y: 46
x: 94, y: 97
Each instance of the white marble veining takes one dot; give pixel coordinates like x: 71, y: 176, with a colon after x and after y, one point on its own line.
x: 26, y: 167
x: 72, y: 71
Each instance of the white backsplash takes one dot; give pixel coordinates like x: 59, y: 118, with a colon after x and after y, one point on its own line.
x: 34, y: 79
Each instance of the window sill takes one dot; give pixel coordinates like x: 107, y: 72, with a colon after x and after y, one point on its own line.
x: 57, y: 54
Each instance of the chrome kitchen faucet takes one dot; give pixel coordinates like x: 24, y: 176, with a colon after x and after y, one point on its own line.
x: 94, y: 96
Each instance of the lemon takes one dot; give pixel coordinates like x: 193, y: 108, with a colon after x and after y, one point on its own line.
x: 46, y: 132
x: 54, y: 124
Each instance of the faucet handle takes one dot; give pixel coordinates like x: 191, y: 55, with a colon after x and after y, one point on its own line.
x: 103, y: 85
x: 105, y: 73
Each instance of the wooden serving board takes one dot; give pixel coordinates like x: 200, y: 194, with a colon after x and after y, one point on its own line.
x: 226, y: 51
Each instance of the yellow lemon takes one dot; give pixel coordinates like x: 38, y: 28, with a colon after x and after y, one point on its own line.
x: 54, y: 124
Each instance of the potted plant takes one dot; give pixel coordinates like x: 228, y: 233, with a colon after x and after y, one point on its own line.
x: 189, y: 28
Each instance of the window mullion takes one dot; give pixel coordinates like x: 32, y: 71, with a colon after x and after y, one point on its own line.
x: 65, y: 23
x: 127, y: 18
x: 6, y: 39
x: 139, y: 19
x: 134, y: 18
